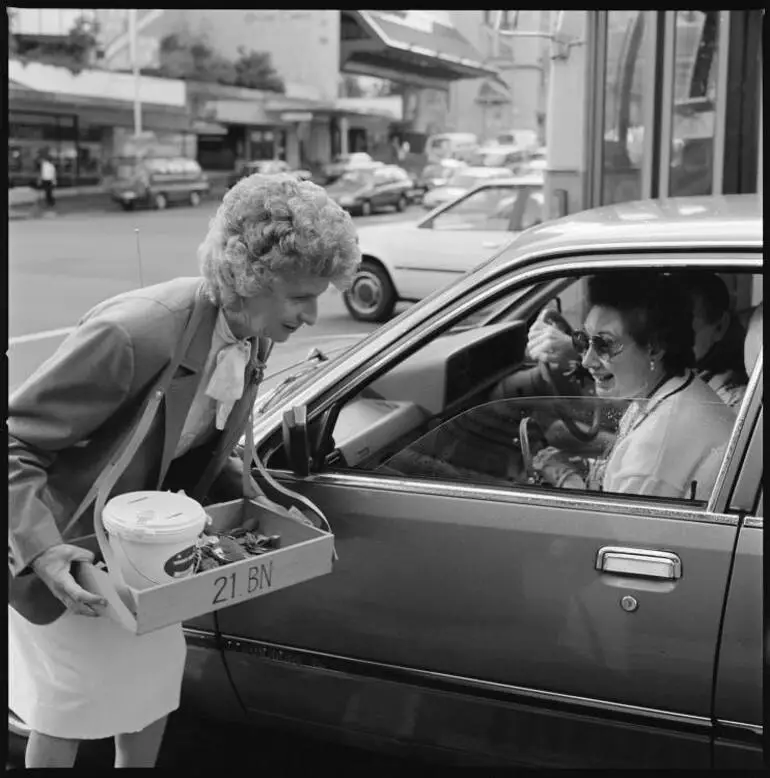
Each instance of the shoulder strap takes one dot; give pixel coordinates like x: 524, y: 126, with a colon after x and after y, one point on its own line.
x: 119, y: 462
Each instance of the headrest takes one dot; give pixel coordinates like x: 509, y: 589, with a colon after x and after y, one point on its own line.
x: 752, y: 345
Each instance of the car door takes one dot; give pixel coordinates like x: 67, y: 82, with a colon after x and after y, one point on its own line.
x: 570, y: 630
x: 457, y: 239
x: 381, y: 188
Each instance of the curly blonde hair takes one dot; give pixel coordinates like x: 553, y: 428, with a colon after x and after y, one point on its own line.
x: 272, y: 226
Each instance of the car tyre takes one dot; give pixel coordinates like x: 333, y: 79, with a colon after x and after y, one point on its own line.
x: 195, y: 199
x: 372, y: 296
x: 160, y: 201
x: 366, y: 208
x: 129, y: 206
x: 401, y: 204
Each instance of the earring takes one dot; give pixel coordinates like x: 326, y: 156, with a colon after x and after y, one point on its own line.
x: 652, y: 365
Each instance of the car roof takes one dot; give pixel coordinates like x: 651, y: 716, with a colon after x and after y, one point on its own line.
x: 675, y: 222
x: 528, y: 179
x: 485, y: 171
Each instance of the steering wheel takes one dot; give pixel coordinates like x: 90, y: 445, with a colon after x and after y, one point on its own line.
x: 584, y: 434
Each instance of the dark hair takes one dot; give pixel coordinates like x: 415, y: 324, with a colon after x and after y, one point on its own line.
x: 656, y: 310
x: 710, y: 289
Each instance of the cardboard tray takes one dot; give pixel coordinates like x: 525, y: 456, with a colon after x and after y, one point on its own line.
x: 305, y: 553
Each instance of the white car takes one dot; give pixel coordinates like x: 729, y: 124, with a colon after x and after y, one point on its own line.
x: 409, y: 260
x: 461, y: 182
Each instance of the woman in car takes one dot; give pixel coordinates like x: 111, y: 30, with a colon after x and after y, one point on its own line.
x: 638, y: 346
x: 272, y: 249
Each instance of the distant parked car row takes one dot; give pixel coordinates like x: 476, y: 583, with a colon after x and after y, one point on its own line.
x: 157, y: 182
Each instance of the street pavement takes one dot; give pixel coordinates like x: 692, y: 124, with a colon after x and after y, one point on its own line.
x: 61, y: 267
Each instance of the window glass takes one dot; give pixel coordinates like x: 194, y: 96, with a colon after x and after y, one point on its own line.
x: 489, y: 208
x: 695, y: 78
x: 475, y: 405
x: 629, y: 78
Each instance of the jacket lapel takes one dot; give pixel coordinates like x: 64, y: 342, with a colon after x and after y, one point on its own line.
x: 236, y: 421
x: 181, y: 390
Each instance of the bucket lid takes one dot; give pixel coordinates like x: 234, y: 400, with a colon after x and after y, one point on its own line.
x: 153, y: 517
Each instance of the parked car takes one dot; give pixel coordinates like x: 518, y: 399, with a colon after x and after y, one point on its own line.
x: 345, y: 162
x: 474, y: 616
x: 157, y: 182
x: 266, y: 167
x: 368, y: 189
x: 460, y: 182
x: 437, y: 174
x: 451, y: 145
x: 514, y: 158
x: 526, y: 139
x: 408, y: 260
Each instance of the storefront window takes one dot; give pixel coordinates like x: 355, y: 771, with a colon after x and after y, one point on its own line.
x: 695, y: 94
x: 629, y: 79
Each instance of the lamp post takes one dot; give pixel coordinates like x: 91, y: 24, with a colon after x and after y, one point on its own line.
x: 135, y: 68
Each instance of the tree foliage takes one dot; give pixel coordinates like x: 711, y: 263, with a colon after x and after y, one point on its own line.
x: 254, y: 70
x: 75, y: 51
x: 191, y: 57
x: 350, y: 86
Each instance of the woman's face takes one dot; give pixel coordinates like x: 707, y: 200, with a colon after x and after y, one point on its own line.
x: 278, y: 312
x: 625, y: 375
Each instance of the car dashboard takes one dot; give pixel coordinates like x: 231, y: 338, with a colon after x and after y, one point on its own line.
x: 444, y: 378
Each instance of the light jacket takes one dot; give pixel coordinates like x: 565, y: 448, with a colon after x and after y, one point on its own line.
x: 666, y: 444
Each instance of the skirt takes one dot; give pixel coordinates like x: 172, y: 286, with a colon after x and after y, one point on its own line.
x: 86, y: 678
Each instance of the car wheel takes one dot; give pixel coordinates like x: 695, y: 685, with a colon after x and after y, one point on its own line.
x: 160, y: 201
x: 401, y: 204
x: 371, y: 296
x: 366, y: 208
x: 129, y: 206
x: 195, y: 199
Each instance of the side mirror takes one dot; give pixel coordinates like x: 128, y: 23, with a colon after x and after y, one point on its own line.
x: 295, y: 440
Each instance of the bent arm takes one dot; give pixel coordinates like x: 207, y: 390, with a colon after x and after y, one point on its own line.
x: 63, y: 403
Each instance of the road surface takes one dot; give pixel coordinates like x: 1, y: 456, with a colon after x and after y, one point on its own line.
x: 59, y: 268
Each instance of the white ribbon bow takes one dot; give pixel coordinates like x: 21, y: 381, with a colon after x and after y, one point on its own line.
x: 228, y: 379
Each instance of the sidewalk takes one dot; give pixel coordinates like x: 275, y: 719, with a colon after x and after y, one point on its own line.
x: 27, y: 203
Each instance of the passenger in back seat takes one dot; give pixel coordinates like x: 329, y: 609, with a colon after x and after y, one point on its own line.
x: 719, y: 337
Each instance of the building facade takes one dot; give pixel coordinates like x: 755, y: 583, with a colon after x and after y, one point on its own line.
x: 517, y: 98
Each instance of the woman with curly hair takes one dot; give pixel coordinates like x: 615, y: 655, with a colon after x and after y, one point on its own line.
x: 272, y: 249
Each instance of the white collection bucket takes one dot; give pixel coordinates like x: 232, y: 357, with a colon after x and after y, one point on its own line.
x: 153, y: 535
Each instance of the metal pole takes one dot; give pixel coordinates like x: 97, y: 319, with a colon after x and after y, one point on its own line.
x: 135, y: 68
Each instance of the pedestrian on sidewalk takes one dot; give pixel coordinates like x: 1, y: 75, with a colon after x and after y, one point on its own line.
x: 47, y: 179
x: 271, y: 251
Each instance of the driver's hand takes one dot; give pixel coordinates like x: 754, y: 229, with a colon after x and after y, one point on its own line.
x: 53, y: 569
x: 547, y: 343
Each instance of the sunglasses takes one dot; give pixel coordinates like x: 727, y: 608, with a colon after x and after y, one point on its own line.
x: 605, y: 348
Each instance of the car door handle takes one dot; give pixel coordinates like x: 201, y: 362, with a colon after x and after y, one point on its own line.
x: 639, y: 562
x: 490, y: 244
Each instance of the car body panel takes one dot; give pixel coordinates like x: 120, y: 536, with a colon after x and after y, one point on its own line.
x: 175, y: 177
x: 420, y: 259
x: 381, y: 186
x: 505, y: 590
x: 438, y: 718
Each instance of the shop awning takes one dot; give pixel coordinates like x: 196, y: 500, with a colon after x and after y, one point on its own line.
x: 408, y: 45
x: 104, y: 111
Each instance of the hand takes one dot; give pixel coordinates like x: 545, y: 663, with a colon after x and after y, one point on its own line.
x: 53, y: 569
x: 557, y: 469
x: 549, y: 344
